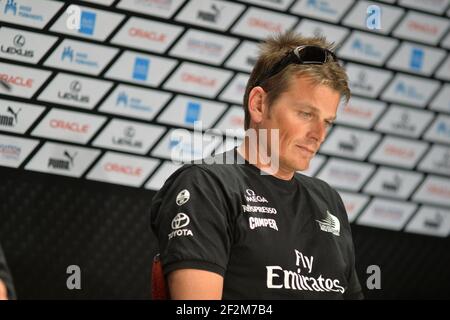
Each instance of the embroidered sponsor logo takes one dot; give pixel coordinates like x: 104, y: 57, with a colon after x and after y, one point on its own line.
x: 255, y: 222
x: 278, y: 278
x: 178, y: 225
x: 256, y: 209
x: 251, y: 196
x: 330, y: 224
x: 183, y: 197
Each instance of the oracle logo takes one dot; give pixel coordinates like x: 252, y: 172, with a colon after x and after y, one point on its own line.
x: 354, y: 111
x: 426, y: 28
x: 123, y: 169
x: 204, y: 46
x: 388, y: 213
x: 343, y: 173
x: 149, y: 35
x: 439, y: 191
x: 269, y: 26
x: 349, y: 207
x: 159, y: 4
x: 399, y: 152
x: 17, y: 80
x: 10, y: 151
x: 69, y: 126
x: 200, y: 80
x: 237, y: 121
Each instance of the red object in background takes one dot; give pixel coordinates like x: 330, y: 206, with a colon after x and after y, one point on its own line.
x: 159, y: 286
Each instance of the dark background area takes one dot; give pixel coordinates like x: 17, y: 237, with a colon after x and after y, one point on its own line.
x: 49, y: 222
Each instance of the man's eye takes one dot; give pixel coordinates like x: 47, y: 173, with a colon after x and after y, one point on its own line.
x: 328, y: 124
x: 306, y: 115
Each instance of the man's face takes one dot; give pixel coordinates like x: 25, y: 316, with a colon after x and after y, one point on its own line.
x: 302, y: 114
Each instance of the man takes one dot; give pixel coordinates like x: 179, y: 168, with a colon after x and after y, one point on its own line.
x: 259, y: 229
x: 6, y: 284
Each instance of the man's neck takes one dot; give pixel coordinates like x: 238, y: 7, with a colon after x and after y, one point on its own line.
x: 245, y: 150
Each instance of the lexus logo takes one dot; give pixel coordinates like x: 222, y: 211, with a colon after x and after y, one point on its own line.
x: 129, y: 132
x: 362, y: 76
x: 19, y: 41
x: 317, y: 32
x: 75, y: 86
x: 181, y: 220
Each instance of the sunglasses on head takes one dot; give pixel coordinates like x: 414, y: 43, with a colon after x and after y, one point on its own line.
x: 302, y: 55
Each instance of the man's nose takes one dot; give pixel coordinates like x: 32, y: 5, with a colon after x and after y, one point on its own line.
x: 317, y: 131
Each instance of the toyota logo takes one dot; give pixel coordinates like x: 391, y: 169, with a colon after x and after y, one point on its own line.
x: 75, y: 86
x: 181, y: 220
x: 19, y: 41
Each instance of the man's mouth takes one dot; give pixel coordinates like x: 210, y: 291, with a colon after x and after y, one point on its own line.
x: 312, y: 152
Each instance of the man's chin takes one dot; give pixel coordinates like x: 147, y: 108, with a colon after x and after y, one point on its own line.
x: 302, y: 166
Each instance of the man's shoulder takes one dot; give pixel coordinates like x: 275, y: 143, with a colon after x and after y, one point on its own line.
x: 220, y: 167
x: 317, y: 186
x: 325, y: 194
x: 312, y: 182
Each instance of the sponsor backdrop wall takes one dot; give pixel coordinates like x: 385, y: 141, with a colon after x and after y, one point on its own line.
x: 90, y: 121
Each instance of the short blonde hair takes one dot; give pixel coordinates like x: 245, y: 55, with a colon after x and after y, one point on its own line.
x: 275, y: 48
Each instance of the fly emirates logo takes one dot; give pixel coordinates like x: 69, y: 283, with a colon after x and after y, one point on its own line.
x: 277, y: 278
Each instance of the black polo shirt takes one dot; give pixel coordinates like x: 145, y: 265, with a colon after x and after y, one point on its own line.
x: 269, y: 238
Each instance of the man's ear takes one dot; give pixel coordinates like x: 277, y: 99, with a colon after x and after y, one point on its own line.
x: 256, y: 104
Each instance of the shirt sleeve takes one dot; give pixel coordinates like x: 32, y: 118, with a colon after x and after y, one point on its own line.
x: 191, y: 220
